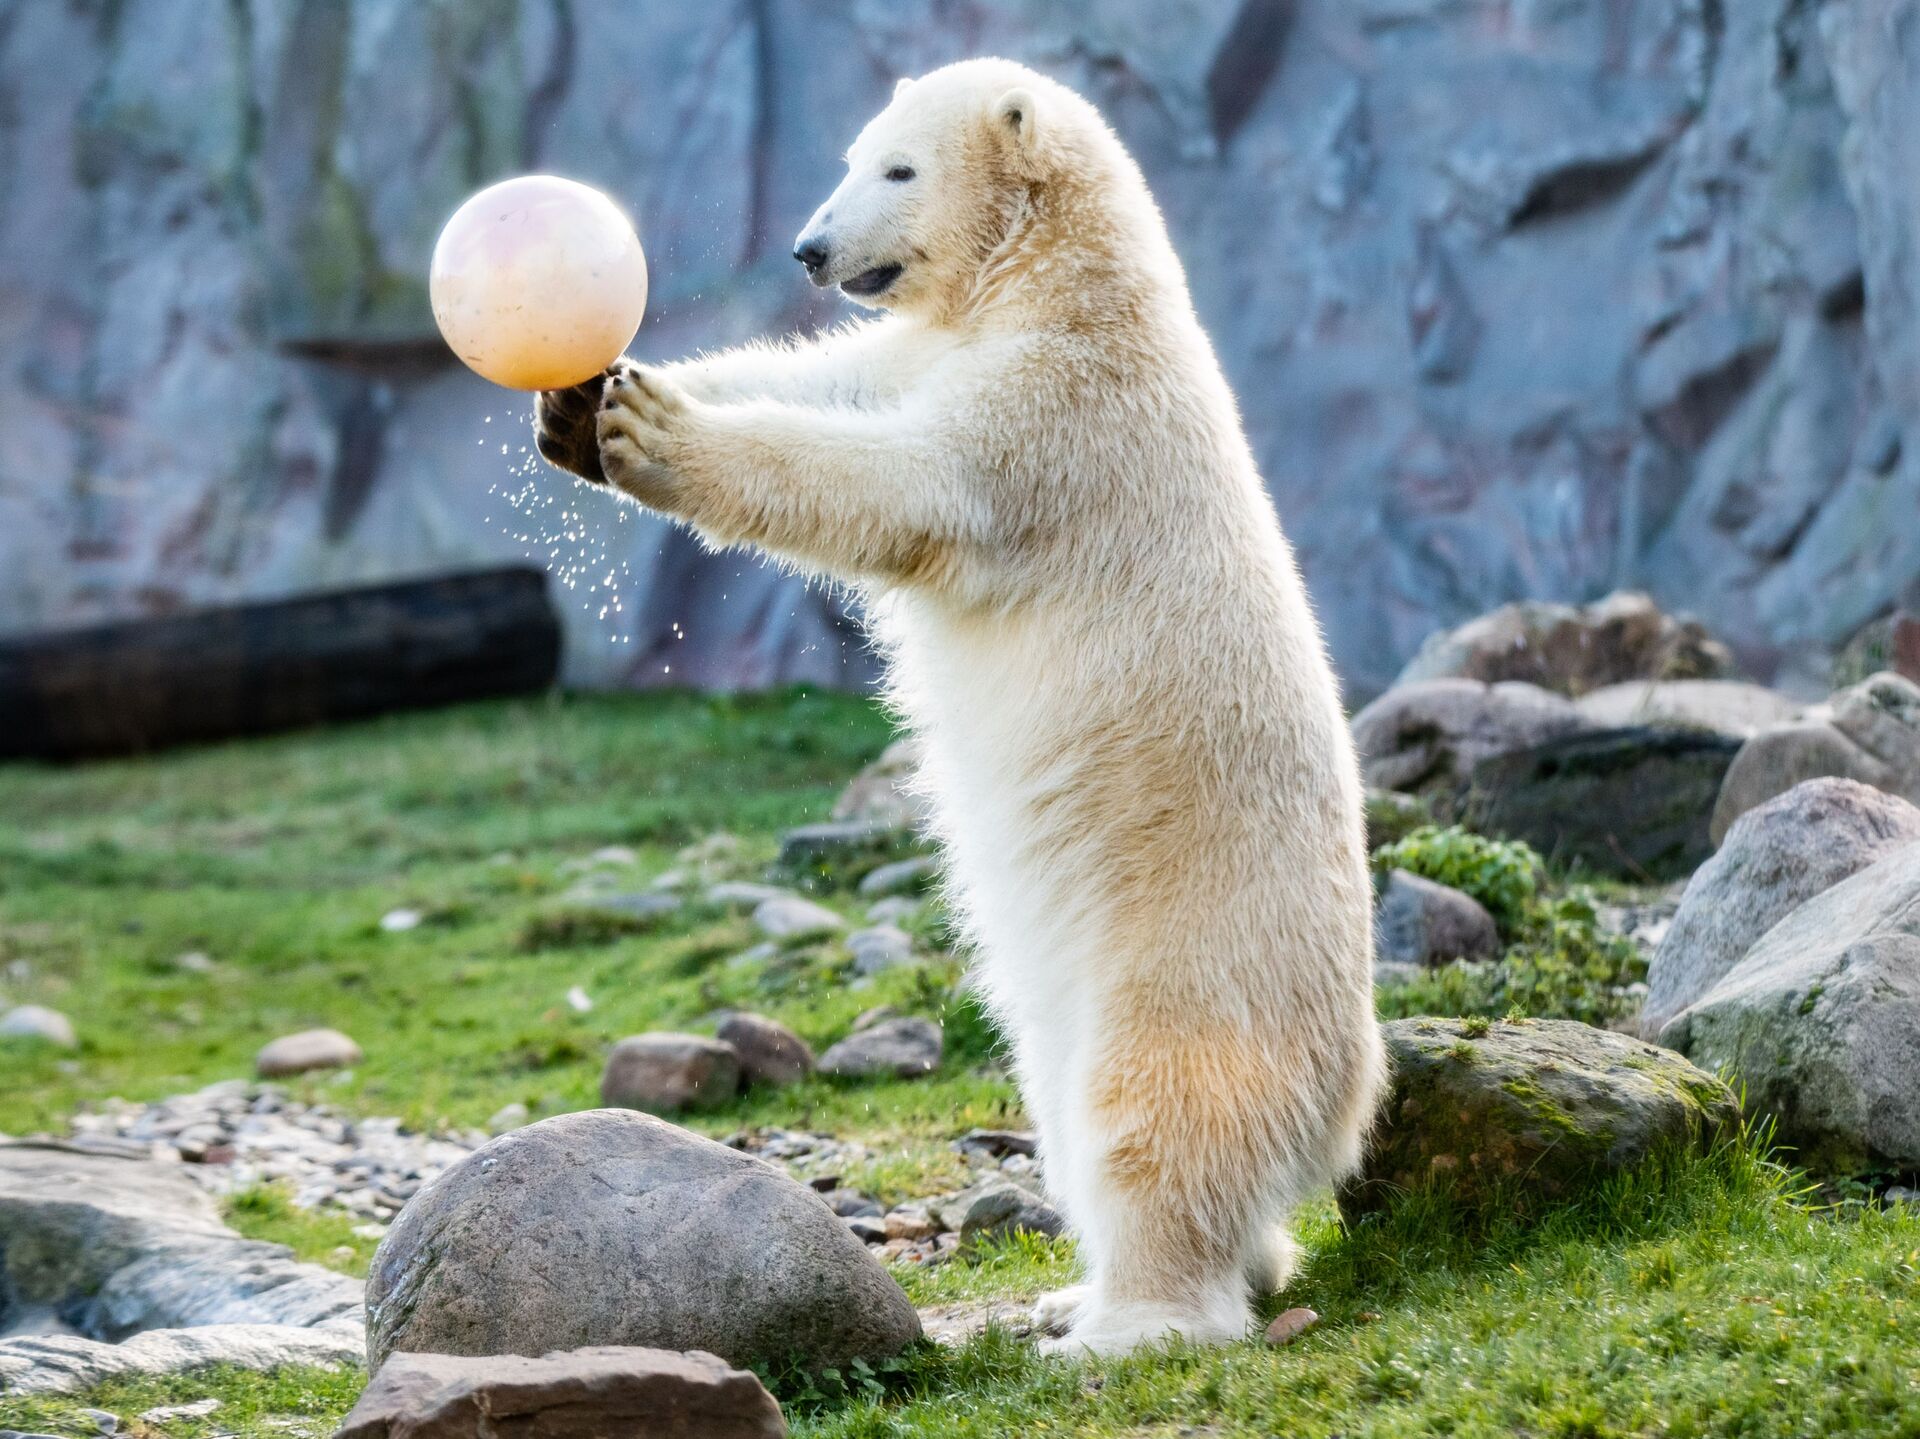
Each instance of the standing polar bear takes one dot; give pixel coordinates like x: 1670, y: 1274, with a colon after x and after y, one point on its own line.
x: 1035, y: 473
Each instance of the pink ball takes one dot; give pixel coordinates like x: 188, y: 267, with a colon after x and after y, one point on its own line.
x: 538, y: 283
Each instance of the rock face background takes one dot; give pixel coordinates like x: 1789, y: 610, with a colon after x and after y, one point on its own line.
x: 1520, y: 297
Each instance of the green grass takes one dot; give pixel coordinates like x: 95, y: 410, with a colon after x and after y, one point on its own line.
x: 1698, y: 1297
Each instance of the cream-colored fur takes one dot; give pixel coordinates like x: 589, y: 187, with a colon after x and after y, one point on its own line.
x: 1035, y: 471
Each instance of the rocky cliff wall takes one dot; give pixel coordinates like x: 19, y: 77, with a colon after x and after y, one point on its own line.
x: 1520, y: 297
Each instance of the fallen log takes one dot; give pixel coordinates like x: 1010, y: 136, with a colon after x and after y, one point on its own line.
x: 143, y: 685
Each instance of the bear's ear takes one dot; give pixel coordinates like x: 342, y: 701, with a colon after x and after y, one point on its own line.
x: 1014, y: 114
x: 900, y: 86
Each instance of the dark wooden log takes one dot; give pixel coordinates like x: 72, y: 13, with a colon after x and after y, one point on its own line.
x: 250, y: 669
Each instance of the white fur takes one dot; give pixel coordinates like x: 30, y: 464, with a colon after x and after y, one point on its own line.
x: 1141, y: 773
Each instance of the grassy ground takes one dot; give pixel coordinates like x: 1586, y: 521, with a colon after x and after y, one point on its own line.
x: 1701, y: 1298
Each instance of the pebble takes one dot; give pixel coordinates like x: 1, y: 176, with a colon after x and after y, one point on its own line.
x: 902, y: 877
x: 791, y: 917
x: 744, y: 894
x: 894, y: 910
x: 198, y: 1409
x: 194, y: 962
x: 399, y: 921
x: 36, y: 1021
x: 1290, y: 1325
x: 103, y: 1421
x: 507, y: 1117
x: 881, y: 947
x: 309, y: 1049
x: 578, y: 1001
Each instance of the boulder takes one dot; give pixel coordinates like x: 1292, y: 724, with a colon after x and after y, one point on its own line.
x: 664, y: 1073
x: 769, y: 1052
x: 900, y: 1048
x: 611, y: 1227
x: 1524, y: 1113
x: 1774, y: 858
x: 1869, y: 733
x: 1416, y: 921
x: 594, y: 1393
x: 883, y: 790
x: 1820, y: 1021
x: 310, y: 1049
x: 1729, y: 707
x: 132, y: 1257
x: 1572, y: 649
x: 36, y: 1021
x: 791, y: 917
x: 1428, y: 736
x: 1629, y: 802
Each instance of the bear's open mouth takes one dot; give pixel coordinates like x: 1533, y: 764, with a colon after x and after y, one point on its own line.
x: 871, y: 282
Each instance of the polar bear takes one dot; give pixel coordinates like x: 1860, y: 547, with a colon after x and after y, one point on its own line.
x: 1034, y: 471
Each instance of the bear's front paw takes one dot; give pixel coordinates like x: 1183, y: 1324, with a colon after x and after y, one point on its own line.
x: 643, y: 420
x: 566, y: 429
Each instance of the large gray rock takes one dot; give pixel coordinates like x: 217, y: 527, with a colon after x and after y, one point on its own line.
x: 601, y: 1393
x: 1572, y: 649
x: 1630, y: 802
x: 1869, y: 732
x: 1821, y: 1021
x: 226, y: 384
x: 129, y: 1249
x: 1527, y: 1112
x: 611, y: 1227
x: 1429, y: 735
x: 1775, y: 858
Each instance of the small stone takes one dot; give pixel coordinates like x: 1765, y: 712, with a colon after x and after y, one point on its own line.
x: 35, y: 1021
x: 865, y: 1228
x: 663, y: 1073
x: 399, y: 921
x: 194, y: 962
x: 906, y: 1222
x: 999, y: 1143
x: 1416, y: 921
x: 309, y: 1049
x: 369, y: 1231
x: 902, y: 877
x: 996, y: 1206
x: 881, y: 947
x: 198, y: 1409
x: 617, y: 854
x: 578, y: 1001
x: 867, y: 1018
x: 508, y: 1116
x: 744, y: 894
x: 769, y: 1052
x: 900, y: 1048
x: 895, y: 910
x: 1290, y: 1325
x: 851, y: 1203
x: 103, y: 1421
x: 840, y: 852
x: 791, y: 917
x: 575, y: 1394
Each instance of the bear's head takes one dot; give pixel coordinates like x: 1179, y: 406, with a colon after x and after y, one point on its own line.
x: 936, y: 181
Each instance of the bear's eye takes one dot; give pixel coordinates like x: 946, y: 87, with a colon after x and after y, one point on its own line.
x: 900, y: 172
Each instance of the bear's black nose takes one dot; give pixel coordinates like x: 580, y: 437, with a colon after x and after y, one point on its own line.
x: 812, y: 254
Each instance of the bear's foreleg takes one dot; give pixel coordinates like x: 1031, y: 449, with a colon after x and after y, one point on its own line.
x: 857, y: 494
